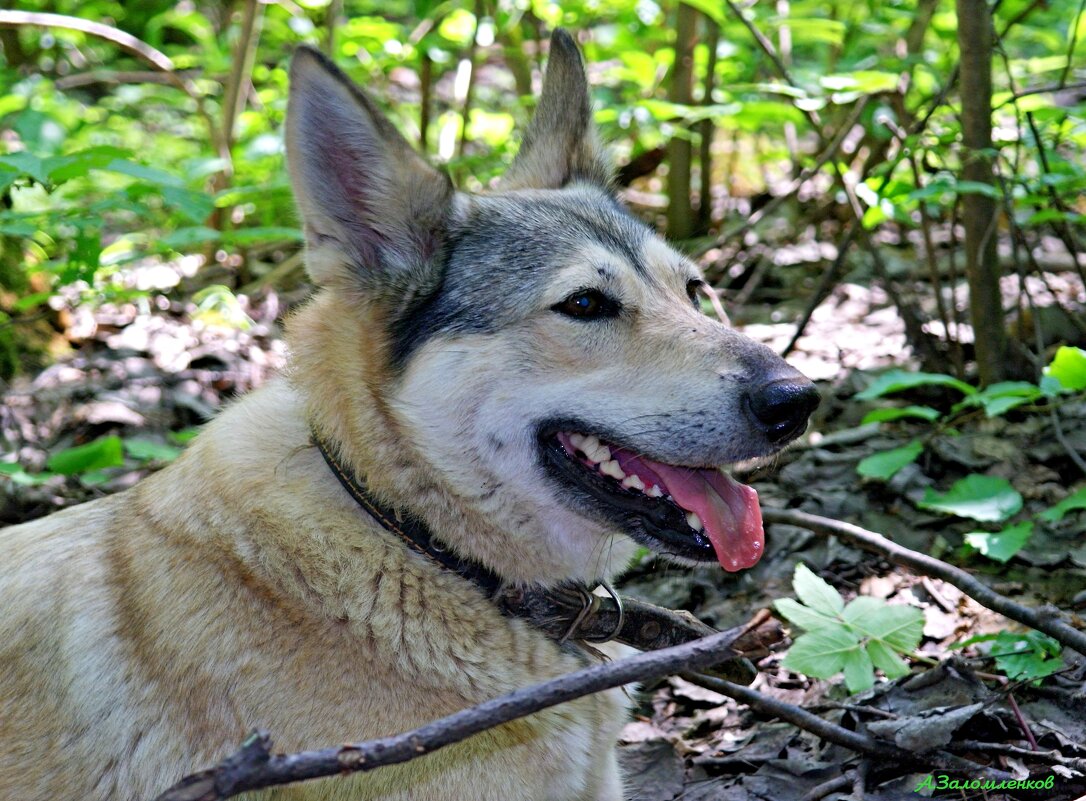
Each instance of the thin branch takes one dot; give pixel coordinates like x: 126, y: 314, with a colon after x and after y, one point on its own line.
x: 838, y: 735
x: 254, y: 766
x: 126, y: 41
x: 771, y: 52
x: 1040, y: 90
x: 1046, y: 619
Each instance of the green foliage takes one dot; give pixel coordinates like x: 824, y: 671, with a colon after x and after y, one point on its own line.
x: 856, y: 639
x: 986, y: 499
x: 1066, y: 373
x: 97, y: 455
x: 885, y: 464
x: 1022, y: 656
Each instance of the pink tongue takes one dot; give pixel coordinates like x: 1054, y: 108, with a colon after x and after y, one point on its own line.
x: 728, y: 510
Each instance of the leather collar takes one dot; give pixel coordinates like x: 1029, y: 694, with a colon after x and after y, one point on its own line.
x: 567, y: 612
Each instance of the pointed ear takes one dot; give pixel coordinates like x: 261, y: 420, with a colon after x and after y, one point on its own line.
x: 561, y: 144
x: 374, y: 211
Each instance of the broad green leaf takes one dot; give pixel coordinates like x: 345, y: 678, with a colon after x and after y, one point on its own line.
x: 804, y: 616
x: 27, y: 164
x: 1001, y: 545
x: 250, y: 236
x: 821, y: 653
x: 884, y: 465
x: 196, y: 206
x: 15, y: 473
x: 886, y: 659
x: 1028, y: 655
x: 900, y: 412
x: 989, y: 499
x: 184, y: 436
x: 78, y: 164
x: 149, y: 450
x: 1001, y: 397
x: 815, y: 592
x: 1055, y: 514
x: 898, y: 380
x: 897, y: 625
x: 1068, y: 367
x: 184, y: 238
x: 151, y: 175
x: 101, y: 453
x: 859, y: 672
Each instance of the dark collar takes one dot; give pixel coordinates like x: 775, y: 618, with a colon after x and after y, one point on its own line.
x: 568, y: 612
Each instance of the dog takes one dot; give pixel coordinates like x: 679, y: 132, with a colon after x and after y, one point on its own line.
x: 522, y: 378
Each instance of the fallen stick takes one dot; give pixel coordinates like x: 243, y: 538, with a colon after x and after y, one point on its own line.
x: 1045, y: 619
x: 254, y: 767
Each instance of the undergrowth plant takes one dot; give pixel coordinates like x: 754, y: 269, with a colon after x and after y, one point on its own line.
x: 986, y: 499
x: 854, y: 638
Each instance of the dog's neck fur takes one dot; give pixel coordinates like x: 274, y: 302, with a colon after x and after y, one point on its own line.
x: 354, y: 414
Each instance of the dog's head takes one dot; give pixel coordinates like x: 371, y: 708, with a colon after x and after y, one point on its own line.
x: 545, y: 358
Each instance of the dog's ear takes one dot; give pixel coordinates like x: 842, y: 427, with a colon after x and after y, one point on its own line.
x: 561, y: 144
x: 375, y: 212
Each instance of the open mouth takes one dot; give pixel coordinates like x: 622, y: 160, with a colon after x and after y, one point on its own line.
x: 697, y: 514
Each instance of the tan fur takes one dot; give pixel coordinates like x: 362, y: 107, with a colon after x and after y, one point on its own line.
x: 144, y: 634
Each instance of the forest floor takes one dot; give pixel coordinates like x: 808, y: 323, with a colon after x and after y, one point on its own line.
x: 152, y: 370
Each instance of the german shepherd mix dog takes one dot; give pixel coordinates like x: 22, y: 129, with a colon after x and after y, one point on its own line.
x: 523, y: 374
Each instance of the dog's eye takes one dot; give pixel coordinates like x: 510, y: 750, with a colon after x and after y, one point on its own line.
x: 692, y: 288
x: 588, y: 304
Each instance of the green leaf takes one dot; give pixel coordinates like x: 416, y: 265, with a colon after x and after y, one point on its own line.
x: 804, y: 616
x: 821, y: 653
x: 815, y: 592
x: 899, y: 412
x: 148, y: 450
x: 196, y: 206
x: 859, y: 671
x: 897, y: 625
x: 1001, y: 545
x: 886, y: 659
x: 1022, y: 656
x: 184, y: 436
x: 271, y: 233
x: 155, y: 177
x: 1068, y: 367
x: 101, y: 453
x: 989, y: 499
x: 14, y: 472
x: 184, y: 238
x: 1001, y: 397
x: 884, y: 465
x: 898, y: 380
x: 78, y: 164
x: 27, y: 164
x: 1055, y: 514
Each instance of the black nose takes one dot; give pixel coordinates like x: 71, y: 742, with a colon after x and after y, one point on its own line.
x: 781, y: 408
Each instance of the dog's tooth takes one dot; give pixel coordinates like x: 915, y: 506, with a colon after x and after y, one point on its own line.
x: 654, y: 492
x: 602, y: 454
x: 589, y: 446
x: 612, y: 469
x: 634, y: 482
x: 577, y: 441
x: 694, y: 521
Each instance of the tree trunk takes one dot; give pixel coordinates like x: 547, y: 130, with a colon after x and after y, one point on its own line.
x: 708, y: 132
x: 979, y: 210
x: 680, y: 213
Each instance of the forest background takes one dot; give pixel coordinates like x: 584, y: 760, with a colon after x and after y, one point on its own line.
x: 891, y: 193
